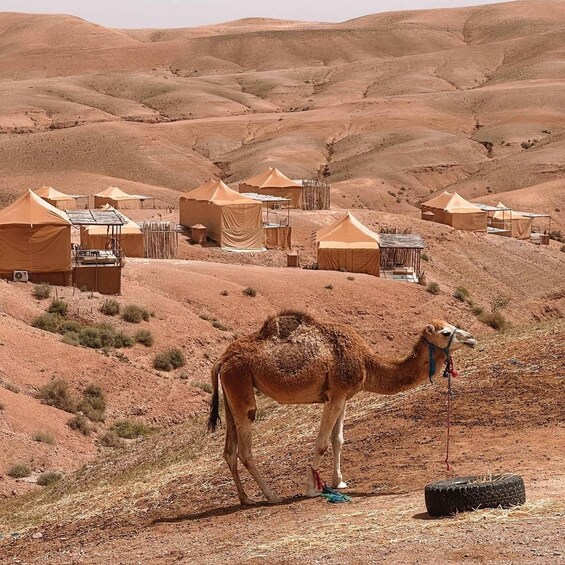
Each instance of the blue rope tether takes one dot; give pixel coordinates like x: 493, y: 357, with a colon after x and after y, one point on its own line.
x: 334, y: 496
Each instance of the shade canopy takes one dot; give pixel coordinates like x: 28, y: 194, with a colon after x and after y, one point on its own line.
x: 519, y: 226
x: 349, y: 245
x: 231, y: 219
x: 117, y: 198
x: 34, y: 236
x: 275, y: 183
x: 453, y: 210
x: 56, y: 198
x: 130, y: 236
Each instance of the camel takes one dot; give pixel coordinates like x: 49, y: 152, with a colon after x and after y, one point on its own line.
x: 296, y: 359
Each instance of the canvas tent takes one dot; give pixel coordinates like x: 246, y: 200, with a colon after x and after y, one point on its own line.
x: 231, y: 219
x: 453, y: 210
x: 117, y: 198
x: 348, y: 244
x: 130, y: 238
x: 56, y: 198
x: 273, y: 182
x: 34, y: 237
x: 519, y: 226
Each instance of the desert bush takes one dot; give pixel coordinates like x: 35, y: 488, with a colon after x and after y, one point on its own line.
x: 129, y: 429
x: 224, y: 293
x: 562, y: 248
x: 19, y: 471
x: 47, y: 323
x: 329, y: 286
x: 44, y: 437
x: 425, y: 257
x: 93, y: 403
x: 494, y: 319
x: 462, y: 294
x: 111, y: 439
x: 350, y: 278
x: 145, y: 337
x: 206, y: 387
x: 220, y: 326
x: 11, y: 387
x: 71, y: 338
x: 49, y: 478
x: 57, y: 394
x: 80, y: 424
x: 433, y: 288
x: 499, y: 303
x: 557, y: 235
x: 135, y: 314
x: 477, y: 310
x: 169, y: 360
x: 70, y: 326
x: 249, y: 291
x: 121, y: 339
x: 41, y: 291
x: 110, y: 307
x: 59, y: 307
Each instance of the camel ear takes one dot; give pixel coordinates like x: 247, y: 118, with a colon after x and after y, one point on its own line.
x: 430, y: 329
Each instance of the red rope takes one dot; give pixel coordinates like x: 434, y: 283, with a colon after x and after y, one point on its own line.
x: 449, y: 372
x: 320, y: 484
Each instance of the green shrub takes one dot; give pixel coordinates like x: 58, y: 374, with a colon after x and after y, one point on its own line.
x: 111, y: 439
x: 123, y: 340
x: 145, y: 337
x: 49, y: 478
x: 19, y: 471
x: 80, y: 424
x: 70, y: 326
x: 495, y: 320
x: 128, y: 429
x: 71, y: 338
x: 249, y: 291
x: 93, y: 403
x: 462, y: 294
x: 169, y: 359
x: 41, y: 291
x: 425, y: 257
x: 433, y: 288
x: 44, y: 437
x: 477, y: 310
x: 206, y: 387
x: 47, y: 323
x: 135, y: 314
x: 110, y: 307
x: 57, y: 394
x: 499, y: 303
x: 98, y: 336
x: 58, y: 306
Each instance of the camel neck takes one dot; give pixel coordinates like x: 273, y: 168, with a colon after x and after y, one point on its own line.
x: 391, y: 377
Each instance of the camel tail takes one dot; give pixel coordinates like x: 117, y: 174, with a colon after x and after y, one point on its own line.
x: 215, y: 403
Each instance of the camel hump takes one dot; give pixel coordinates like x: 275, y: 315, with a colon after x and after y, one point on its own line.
x: 284, y: 324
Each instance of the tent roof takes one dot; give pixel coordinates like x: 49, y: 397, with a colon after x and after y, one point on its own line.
x: 32, y: 210
x: 504, y: 215
x: 272, y: 177
x: 129, y: 226
x: 457, y: 202
x: 52, y: 194
x: 347, y: 232
x: 115, y: 193
x: 439, y: 201
x: 218, y: 192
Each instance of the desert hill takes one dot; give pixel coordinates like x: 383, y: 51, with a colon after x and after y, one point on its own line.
x: 467, y: 99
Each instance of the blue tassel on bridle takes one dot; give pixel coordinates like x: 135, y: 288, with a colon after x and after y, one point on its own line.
x: 432, y: 359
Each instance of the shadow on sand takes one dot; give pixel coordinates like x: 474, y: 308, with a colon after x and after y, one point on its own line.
x: 227, y: 510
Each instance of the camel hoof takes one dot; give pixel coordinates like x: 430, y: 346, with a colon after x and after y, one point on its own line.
x: 341, y: 485
x: 246, y: 501
x: 274, y: 500
x: 312, y: 493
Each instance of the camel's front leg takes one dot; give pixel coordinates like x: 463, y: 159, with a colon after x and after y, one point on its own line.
x: 337, y: 444
x: 332, y: 410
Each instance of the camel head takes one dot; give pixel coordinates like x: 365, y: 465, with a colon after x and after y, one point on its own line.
x: 439, y: 333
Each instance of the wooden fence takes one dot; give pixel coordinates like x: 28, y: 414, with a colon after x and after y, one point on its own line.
x: 161, y: 240
x: 315, y: 194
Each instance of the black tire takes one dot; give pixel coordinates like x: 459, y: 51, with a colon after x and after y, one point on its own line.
x: 462, y: 494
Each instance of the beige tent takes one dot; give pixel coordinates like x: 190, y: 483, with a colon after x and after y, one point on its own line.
x: 130, y: 239
x: 231, y: 219
x: 117, y: 198
x: 56, y: 198
x: 273, y: 182
x: 348, y: 244
x: 519, y: 226
x: 34, y: 237
x: 453, y: 210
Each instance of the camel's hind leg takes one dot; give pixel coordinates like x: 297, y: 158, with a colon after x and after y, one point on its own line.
x: 241, y: 398
x: 337, y: 444
x: 230, y: 455
x: 332, y: 410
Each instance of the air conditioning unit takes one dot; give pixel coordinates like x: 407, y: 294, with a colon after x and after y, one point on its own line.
x: 277, y: 206
x: 21, y: 276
